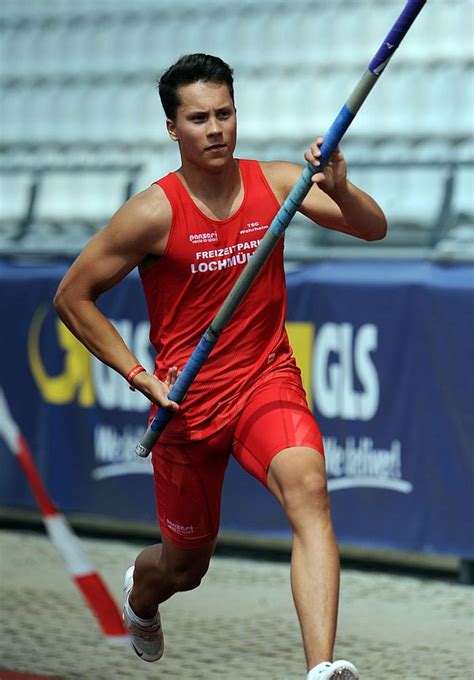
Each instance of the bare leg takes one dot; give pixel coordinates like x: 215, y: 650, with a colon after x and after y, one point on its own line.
x: 163, y: 570
x: 297, y: 478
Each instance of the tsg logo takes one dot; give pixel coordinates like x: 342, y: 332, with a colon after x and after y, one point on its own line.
x: 345, y: 379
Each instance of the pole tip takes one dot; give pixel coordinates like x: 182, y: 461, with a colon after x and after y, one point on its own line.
x: 142, y: 451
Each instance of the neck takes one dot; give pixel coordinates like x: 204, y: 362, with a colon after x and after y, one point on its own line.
x: 211, y: 185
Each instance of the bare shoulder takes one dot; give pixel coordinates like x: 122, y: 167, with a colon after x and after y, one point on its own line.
x: 281, y: 176
x: 144, y: 219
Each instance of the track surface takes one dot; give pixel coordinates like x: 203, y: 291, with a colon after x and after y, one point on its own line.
x: 239, y: 625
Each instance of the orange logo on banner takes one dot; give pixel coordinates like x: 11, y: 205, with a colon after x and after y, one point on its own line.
x: 76, y: 377
x: 301, y: 335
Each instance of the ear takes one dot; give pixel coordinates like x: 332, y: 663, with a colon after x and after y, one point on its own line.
x: 171, y: 127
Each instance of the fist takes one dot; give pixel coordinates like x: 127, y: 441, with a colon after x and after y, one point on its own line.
x: 334, y: 174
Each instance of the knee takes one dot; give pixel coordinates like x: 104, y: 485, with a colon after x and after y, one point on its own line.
x: 306, y: 492
x: 188, y: 578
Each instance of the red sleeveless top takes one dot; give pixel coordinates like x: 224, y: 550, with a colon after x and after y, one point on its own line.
x: 185, y: 289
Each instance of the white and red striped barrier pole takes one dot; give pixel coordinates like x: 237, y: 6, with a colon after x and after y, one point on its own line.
x: 89, y: 581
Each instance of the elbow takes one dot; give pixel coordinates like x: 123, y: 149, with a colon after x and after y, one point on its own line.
x: 378, y: 231
x: 60, y: 303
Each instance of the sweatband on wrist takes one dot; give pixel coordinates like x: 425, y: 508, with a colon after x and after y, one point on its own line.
x: 132, y: 374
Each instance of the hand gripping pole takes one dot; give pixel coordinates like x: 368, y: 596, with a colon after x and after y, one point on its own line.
x: 281, y: 220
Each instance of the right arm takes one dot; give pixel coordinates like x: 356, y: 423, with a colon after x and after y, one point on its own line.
x: 139, y: 229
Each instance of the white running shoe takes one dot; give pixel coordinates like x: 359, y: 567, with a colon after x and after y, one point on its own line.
x: 147, y: 641
x: 340, y: 670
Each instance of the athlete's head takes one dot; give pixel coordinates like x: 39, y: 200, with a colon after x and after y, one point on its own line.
x: 192, y: 68
x: 198, y: 99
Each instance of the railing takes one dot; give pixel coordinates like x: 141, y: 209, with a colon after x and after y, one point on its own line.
x: 431, y: 215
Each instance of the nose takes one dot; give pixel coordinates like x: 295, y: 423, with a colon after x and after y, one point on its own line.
x: 213, y: 127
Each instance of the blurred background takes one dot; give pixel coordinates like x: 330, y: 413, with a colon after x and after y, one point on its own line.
x: 382, y: 331
x: 82, y: 126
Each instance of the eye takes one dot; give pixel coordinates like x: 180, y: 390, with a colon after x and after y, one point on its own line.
x: 224, y: 114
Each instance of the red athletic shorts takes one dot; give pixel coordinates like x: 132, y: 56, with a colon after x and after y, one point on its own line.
x: 189, y: 477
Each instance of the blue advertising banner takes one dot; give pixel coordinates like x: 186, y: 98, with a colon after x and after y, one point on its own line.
x: 386, y: 354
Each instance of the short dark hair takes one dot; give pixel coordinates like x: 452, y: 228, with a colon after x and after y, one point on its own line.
x: 191, y: 68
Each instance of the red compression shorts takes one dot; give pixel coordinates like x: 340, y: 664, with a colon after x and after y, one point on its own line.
x: 189, y: 477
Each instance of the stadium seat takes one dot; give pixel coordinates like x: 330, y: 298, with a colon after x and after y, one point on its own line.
x: 445, y: 102
x: 99, y: 112
x: 463, y: 198
x: 152, y: 117
x: 115, y: 54
x: 52, y: 114
x: 410, y: 195
x: 253, y: 97
x: 21, y: 44
x: 14, y: 198
x: 89, y: 197
x: 14, y: 104
x: 7, y: 49
x: 453, y: 31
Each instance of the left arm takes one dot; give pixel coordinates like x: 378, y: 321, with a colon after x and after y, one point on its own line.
x: 333, y: 201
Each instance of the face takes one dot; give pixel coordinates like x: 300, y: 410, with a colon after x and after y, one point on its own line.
x: 205, y: 126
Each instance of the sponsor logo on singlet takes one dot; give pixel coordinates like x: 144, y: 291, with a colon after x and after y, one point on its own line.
x: 223, y: 258
x: 208, y: 237
x: 253, y: 226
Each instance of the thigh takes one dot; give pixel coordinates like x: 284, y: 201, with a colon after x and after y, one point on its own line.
x: 276, y: 417
x: 188, y: 485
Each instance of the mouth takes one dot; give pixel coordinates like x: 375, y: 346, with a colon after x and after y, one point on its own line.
x: 216, y: 147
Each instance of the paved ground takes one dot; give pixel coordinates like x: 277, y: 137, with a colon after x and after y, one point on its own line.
x: 239, y: 625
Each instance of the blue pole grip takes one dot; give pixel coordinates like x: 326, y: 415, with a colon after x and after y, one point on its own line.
x: 296, y: 196
x: 192, y: 368
x: 177, y: 393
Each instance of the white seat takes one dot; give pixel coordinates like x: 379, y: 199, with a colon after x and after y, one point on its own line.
x: 55, y: 114
x: 19, y: 52
x: 81, y: 48
x: 127, y: 47
x: 253, y: 98
x: 166, y: 160
x: 228, y: 42
x: 412, y: 195
x: 7, y: 49
x: 445, y: 102
x: 245, y: 39
x: 356, y: 32
x: 108, y: 48
x: 54, y: 50
x: 463, y: 198
x: 453, y: 31
x: 90, y: 197
x: 134, y: 113
x: 14, y: 108
x: 287, y: 118
x: 14, y: 196
x: 99, y: 112
x: 152, y: 116
x: 69, y: 114
x: 465, y: 150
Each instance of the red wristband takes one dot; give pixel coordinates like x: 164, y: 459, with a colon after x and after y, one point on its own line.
x: 132, y: 374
